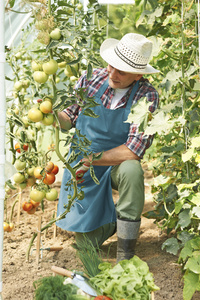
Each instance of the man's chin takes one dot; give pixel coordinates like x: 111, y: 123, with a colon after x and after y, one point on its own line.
x: 114, y: 84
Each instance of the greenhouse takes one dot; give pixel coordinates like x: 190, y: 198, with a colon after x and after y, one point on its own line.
x: 99, y: 149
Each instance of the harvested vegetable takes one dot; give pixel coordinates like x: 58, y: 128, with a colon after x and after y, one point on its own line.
x: 129, y: 279
x: 52, y: 288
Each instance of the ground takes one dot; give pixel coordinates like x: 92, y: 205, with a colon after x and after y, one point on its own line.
x: 19, y: 274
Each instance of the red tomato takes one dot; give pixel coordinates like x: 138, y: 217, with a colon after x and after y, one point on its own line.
x: 49, y: 178
x: 34, y: 203
x: 102, y: 298
x: 55, y: 170
x: 32, y: 211
x: 18, y: 148
x: 27, y: 206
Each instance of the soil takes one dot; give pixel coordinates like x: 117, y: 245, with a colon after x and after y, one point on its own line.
x: 19, y: 274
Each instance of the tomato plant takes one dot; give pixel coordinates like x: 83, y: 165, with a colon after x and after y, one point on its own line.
x: 38, y: 95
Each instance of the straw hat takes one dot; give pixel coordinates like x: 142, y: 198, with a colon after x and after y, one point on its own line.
x: 131, y: 54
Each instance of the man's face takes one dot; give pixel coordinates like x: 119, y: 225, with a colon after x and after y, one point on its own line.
x: 119, y: 79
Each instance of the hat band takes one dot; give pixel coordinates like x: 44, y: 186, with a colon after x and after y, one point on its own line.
x: 128, y: 61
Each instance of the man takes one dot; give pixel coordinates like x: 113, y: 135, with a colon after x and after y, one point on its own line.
x: 115, y: 88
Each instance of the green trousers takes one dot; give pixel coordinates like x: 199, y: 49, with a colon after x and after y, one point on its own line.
x: 128, y: 179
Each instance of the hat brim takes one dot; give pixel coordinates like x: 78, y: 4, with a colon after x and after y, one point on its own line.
x: 108, y: 54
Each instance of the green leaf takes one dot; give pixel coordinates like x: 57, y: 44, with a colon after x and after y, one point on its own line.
x: 196, y: 199
x: 185, y: 252
x: 9, y: 183
x: 196, y: 86
x: 161, y: 180
x: 188, y: 155
x: 184, y: 237
x: 159, y: 124
x: 89, y: 71
x: 191, y: 282
x: 193, y: 264
x: 173, y: 18
x: 196, y: 211
x: 139, y: 113
x: 171, y: 245
x: 92, y: 173
x: 90, y: 113
x: 184, y: 218
x: 72, y: 157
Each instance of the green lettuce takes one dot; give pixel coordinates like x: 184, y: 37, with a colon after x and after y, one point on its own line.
x: 129, y: 279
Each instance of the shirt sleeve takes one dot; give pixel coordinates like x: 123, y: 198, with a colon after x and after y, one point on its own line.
x: 137, y: 142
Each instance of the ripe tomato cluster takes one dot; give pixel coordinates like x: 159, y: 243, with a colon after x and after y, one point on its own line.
x: 44, y: 177
x: 30, y: 206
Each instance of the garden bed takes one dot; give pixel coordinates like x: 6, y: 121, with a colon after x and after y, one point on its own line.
x: 19, y: 274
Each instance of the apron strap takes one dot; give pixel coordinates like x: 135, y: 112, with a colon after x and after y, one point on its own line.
x: 133, y: 92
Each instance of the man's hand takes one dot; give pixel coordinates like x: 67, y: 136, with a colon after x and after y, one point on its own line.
x: 81, y: 171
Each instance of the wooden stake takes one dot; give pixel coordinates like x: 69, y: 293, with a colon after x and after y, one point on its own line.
x: 54, y: 225
x: 38, y: 239
x: 19, y: 205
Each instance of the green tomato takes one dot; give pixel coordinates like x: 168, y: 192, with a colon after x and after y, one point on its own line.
x: 37, y: 195
x: 18, y: 178
x: 35, y: 115
x: 79, y: 6
x: 40, y: 76
x: 20, y: 165
x: 23, y: 185
x: 62, y: 64
x: 52, y: 195
x: 68, y: 71
x: 48, y: 119
x: 30, y: 171
x: 18, y: 85
x: 50, y: 67
x: 55, y: 34
x: 36, y: 66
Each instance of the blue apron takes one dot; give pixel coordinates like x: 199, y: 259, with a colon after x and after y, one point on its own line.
x: 105, y: 132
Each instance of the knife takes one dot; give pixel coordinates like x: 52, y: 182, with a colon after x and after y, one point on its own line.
x: 80, y: 281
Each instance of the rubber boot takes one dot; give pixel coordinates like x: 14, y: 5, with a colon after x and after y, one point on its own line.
x: 127, y: 233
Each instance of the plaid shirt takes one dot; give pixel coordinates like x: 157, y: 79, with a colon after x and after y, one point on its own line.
x: 136, y: 142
